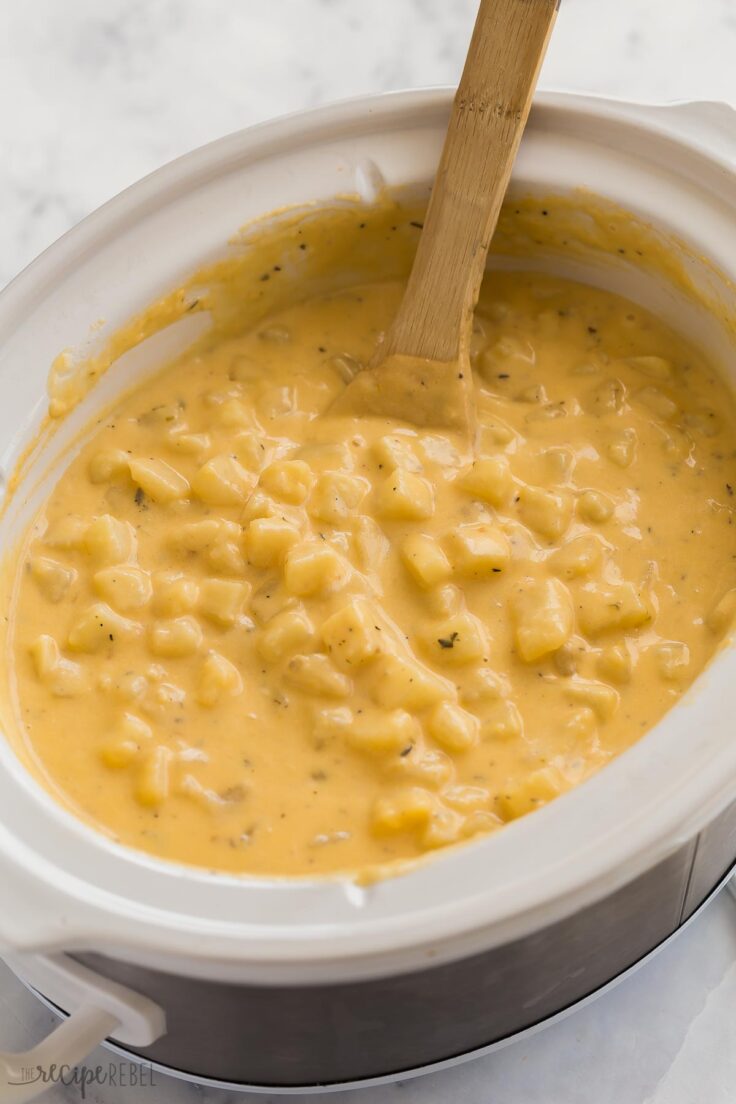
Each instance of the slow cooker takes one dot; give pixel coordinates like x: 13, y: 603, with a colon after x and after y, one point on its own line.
x: 290, y: 984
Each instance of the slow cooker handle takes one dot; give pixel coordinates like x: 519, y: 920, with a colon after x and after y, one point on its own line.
x: 99, y: 1008
x: 712, y: 122
x: 708, y: 123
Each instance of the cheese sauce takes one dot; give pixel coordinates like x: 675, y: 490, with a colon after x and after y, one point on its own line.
x: 259, y: 639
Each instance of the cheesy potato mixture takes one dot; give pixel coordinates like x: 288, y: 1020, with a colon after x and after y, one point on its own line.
x: 256, y: 637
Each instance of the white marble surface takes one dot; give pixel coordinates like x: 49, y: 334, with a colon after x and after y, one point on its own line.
x: 97, y: 94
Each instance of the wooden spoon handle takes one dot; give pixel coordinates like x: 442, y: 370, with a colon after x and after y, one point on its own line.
x: 488, y: 117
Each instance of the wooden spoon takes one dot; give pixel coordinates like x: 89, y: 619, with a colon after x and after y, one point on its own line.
x: 421, y: 372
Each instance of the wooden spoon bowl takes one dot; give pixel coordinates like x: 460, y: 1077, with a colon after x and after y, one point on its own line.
x: 421, y: 373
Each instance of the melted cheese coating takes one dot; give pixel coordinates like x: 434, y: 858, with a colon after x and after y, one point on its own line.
x: 258, y: 639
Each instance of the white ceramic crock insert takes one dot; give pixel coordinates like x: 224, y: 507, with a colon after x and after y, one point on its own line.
x: 65, y: 887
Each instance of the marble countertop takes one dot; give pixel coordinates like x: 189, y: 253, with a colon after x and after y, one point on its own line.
x: 96, y: 95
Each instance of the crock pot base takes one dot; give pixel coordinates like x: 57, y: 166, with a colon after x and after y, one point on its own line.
x: 431, y: 1067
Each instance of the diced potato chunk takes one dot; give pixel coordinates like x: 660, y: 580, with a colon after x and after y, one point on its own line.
x: 128, y: 687
x: 173, y: 594
x: 378, y: 732
x: 233, y: 414
x: 621, y: 449
x: 704, y: 421
x: 558, y: 463
x: 179, y: 636
x: 404, y: 496
x: 124, y: 587
x: 480, y: 821
x: 337, y: 496
x: 218, y: 678
x: 407, y: 684
x: 117, y: 752
x: 445, y: 601
x: 335, y: 720
x: 566, y: 658
x: 424, y: 560
x: 535, y: 393
x: 108, y: 464
x: 457, y: 641
x: 314, y: 568
x: 595, y: 506
x: 67, y: 534
x: 452, y: 727
x: 288, y: 480
x: 508, y: 355
x: 270, y: 599
x: 427, y: 766
x: 285, y: 634
x: 467, y: 798
x: 124, y: 746
x: 370, y: 544
x: 158, y: 480
x: 655, y: 367
x: 404, y: 812
x: 614, y: 663
x: 482, y: 685
x: 53, y: 579
x: 537, y: 789
x: 354, y: 635
x: 226, y: 558
x: 580, y: 727
x: 315, y: 674
x: 132, y: 727
x: 197, y: 536
x: 609, y: 397
x: 250, y: 450
x: 543, y: 618
x: 546, y: 512
x: 223, y: 481
x: 478, y: 549
x: 221, y: 600
x: 261, y: 505
x: 326, y: 456
x: 579, y: 556
x: 63, y: 678
x: 438, y: 449
x: 98, y: 627
x: 607, y: 608
x: 489, y: 479
x: 189, y: 786
x: 443, y: 828
x: 396, y: 451
x: 661, y: 405
x: 600, y: 697
x: 267, y: 540
x: 109, y: 540
x: 274, y: 402
x: 45, y: 655
x: 152, y: 787
x: 189, y: 444
x: 673, y: 660
x: 501, y: 720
